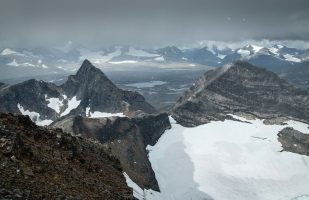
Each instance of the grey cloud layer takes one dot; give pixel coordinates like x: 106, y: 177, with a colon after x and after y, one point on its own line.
x: 152, y: 22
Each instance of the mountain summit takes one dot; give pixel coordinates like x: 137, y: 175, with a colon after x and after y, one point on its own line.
x: 87, y: 92
x: 242, y: 89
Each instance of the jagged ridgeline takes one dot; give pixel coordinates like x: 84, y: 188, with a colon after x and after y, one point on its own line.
x: 242, y: 89
x: 87, y: 92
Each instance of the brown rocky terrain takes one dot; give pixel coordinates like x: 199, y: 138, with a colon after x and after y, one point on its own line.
x: 41, y: 163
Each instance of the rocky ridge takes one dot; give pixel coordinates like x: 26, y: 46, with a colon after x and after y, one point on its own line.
x: 242, y: 89
x: 127, y: 139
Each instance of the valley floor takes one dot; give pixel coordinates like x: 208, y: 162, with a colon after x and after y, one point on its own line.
x: 227, y: 160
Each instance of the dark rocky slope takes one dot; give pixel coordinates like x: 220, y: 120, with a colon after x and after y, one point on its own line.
x: 90, y: 87
x: 31, y: 96
x: 294, y: 141
x: 41, y: 163
x: 243, y: 89
x: 127, y: 139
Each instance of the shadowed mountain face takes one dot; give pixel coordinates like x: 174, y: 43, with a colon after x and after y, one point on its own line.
x: 98, y: 93
x: 127, y: 138
x: 240, y: 88
x: 41, y: 163
x: 88, y: 90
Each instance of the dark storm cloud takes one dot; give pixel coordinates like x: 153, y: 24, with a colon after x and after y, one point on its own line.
x: 151, y: 22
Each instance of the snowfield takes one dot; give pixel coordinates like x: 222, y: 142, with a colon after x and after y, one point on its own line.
x: 227, y: 160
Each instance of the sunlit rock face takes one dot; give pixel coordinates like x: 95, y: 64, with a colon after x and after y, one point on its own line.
x: 243, y: 89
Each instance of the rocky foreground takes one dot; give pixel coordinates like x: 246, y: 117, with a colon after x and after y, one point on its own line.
x: 41, y: 163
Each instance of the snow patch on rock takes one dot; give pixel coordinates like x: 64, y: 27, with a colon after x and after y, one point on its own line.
x: 34, y: 116
x: 54, y: 103
x: 72, y: 104
x: 97, y: 114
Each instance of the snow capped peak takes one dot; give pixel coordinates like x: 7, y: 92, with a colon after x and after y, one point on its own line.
x: 252, y: 48
x: 7, y: 51
x: 243, y: 52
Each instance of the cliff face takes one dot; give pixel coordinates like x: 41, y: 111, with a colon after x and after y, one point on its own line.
x: 41, y: 163
x: 126, y: 138
x: 98, y: 93
x: 294, y: 141
x: 243, y: 89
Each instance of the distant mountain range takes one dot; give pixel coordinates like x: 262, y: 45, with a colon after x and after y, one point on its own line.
x: 17, y: 62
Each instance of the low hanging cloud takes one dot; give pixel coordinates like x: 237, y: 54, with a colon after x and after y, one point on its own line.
x: 151, y: 22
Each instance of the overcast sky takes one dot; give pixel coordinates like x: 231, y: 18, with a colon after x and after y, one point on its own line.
x: 151, y: 22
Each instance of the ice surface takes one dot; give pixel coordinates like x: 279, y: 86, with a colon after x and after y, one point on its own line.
x: 228, y: 160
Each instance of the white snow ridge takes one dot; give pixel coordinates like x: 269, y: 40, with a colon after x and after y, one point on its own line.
x: 225, y: 160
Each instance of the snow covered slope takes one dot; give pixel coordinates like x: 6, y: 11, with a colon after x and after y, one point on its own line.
x: 226, y: 160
